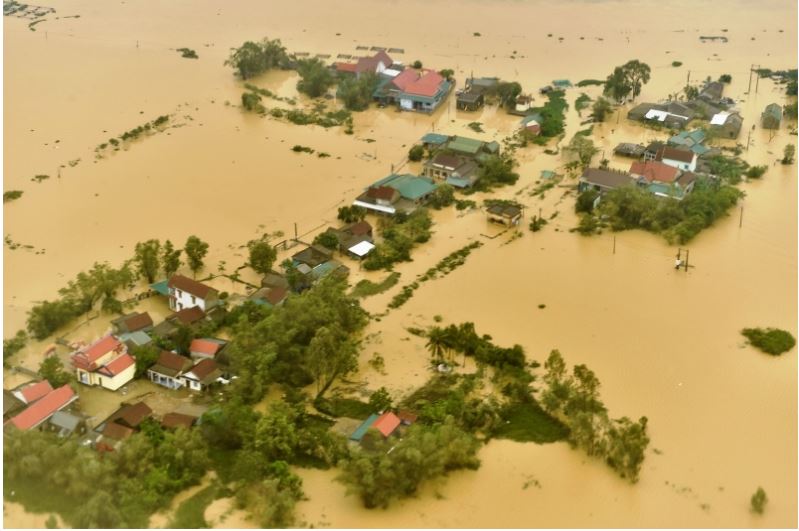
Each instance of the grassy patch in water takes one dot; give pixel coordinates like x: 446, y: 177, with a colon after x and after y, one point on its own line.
x: 770, y: 340
x: 528, y: 422
x: 366, y: 288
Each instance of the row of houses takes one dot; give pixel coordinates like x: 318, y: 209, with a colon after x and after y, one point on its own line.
x: 660, y: 179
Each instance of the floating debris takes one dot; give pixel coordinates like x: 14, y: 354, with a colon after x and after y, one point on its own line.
x: 396, y: 50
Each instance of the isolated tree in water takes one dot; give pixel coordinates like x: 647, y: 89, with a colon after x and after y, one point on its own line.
x: 195, y: 250
x: 316, y: 78
x: 170, y: 259
x: 262, y: 256
x: 146, y: 258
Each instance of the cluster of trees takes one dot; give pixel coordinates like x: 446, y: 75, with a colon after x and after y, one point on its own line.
x: 631, y: 207
x: 575, y: 399
x: 601, y: 108
x: 400, y: 234
x: 444, y: 342
x: 770, y: 340
x: 627, y: 80
x: 15, y: 344
x: 315, y: 77
x: 553, y: 114
x: 310, y: 338
x: 416, y: 153
x: 151, y: 256
x: 582, y: 149
x: 112, y: 490
x: 497, y: 170
x: 52, y: 370
x: 253, y: 58
x: 425, y: 453
x: 356, y: 92
x: 788, y: 154
x: 351, y: 213
x: 443, y: 196
x: 262, y: 255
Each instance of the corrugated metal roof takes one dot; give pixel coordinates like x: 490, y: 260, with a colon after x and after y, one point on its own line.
x: 434, y: 138
x: 465, y: 145
x: 358, y: 434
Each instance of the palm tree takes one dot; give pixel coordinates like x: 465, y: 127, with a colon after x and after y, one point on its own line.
x: 436, y: 342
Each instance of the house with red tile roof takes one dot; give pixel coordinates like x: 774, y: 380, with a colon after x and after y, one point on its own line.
x: 680, y: 158
x: 30, y: 393
x: 205, y: 348
x: 105, y: 362
x: 44, y: 408
x: 376, y: 64
x: 654, y: 171
x: 420, y: 90
x: 386, y: 423
x: 185, y: 292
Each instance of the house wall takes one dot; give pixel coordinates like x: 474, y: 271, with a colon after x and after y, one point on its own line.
x: 166, y: 381
x: 180, y: 300
x: 685, y: 166
x: 111, y: 383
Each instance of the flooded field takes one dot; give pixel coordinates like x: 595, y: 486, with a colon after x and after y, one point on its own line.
x: 664, y: 344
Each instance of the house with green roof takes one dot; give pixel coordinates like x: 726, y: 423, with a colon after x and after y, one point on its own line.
x: 693, y: 140
x: 396, y: 193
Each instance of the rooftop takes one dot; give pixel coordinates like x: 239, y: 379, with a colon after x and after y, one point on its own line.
x: 198, y: 289
x: 409, y: 186
x: 653, y: 170
x: 44, y: 408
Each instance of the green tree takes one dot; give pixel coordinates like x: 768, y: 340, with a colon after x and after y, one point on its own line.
x: 637, y: 75
x: 99, y: 512
x: 585, y: 201
x: 616, y: 85
x: 437, y: 343
x: 442, y: 196
x: 583, y: 149
x: 315, y: 77
x: 330, y: 354
x: 601, y: 108
x: 417, y: 64
x: 52, y: 369
x: 416, y: 153
x: 380, y: 400
x: 690, y: 92
x: 497, y: 170
x: 147, y: 259
x: 262, y: 256
x: 447, y: 73
x: 276, y: 434
x: 351, y: 214
x: 626, y: 446
x: 195, y: 250
x: 508, y: 91
x: 252, y: 102
x: 725, y: 78
x: 252, y: 58
x: 356, y: 92
x: 15, y: 344
x: 788, y: 154
x: 100, y: 283
x: 758, y: 501
x: 170, y: 259
x: 146, y: 356
x: 46, y: 317
x: 327, y: 239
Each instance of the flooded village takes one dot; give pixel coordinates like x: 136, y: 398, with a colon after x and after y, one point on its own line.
x: 309, y: 264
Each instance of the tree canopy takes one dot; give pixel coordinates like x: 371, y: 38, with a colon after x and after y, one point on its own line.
x: 315, y: 77
x: 627, y: 79
x: 253, y: 58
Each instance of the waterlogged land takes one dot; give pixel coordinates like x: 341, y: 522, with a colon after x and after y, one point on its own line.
x: 722, y: 416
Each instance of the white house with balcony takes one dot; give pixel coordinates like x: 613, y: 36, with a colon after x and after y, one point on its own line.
x: 105, y: 362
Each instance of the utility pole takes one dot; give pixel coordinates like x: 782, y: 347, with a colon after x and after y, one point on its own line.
x: 747, y: 139
x: 614, y: 244
x: 751, y: 69
x: 686, y: 260
x: 741, y: 219
x: 688, y: 81
x: 757, y: 80
x: 295, y: 231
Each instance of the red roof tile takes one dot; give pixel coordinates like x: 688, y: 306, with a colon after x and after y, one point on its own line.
x: 203, y: 346
x: 360, y: 228
x: 346, y: 67
x: 276, y: 295
x: 34, y: 392
x: 654, y: 171
x: 118, y: 365
x: 386, y: 423
x: 44, y: 408
x: 405, y: 78
x: 427, y: 85
x: 98, y: 349
x: 198, y: 289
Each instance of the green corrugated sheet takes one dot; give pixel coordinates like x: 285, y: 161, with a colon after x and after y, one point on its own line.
x: 161, y: 287
x: 409, y: 186
x: 465, y: 145
x: 434, y: 138
x: 358, y: 434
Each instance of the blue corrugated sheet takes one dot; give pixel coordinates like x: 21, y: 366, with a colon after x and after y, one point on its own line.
x: 358, y: 434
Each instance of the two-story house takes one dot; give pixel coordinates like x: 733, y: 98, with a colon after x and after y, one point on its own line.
x: 105, y: 362
x: 187, y: 293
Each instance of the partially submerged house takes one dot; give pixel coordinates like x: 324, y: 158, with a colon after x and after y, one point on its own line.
x: 726, y: 124
x: 680, y: 158
x: 693, y: 140
x: 626, y: 149
x: 185, y: 292
x: 354, y: 239
x: 420, y: 90
x: 312, y: 256
x: 43, y: 409
x: 505, y: 213
x: 457, y: 170
x: 603, y: 180
x: 396, y: 193
x: 672, y: 114
x: 121, y: 424
x: 202, y: 348
x: 472, y: 97
x: 385, y: 424
x: 712, y: 92
x: 772, y: 116
x: 375, y: 64
x: 530, y: 125
x: 169, y: 369
x: 132, y: 322
x: 663, y: 180
x: 105, y: 362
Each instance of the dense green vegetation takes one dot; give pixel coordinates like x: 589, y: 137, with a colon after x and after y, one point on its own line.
x: 632, y: 207
x: 253, y: 58
x: 442, y: 196
x: 366, y: 288
x: 188, y: 53
x: 191, y: 513
x: 582, y: 102
x: 770, y: 340
x: 416, y: 153
x: 575, y: 400
x: 553, y: 114
x: 262, y: 256
x: 788, y: 154
x: 400, y: 234
x: 52, y: 369
x: 356, y: 92
x: 601, y: 108
x: 14, y: 345
x: 315, y: 77
x: 195, y: 250
x: 758, y: 501
x: 495, y: 171
x: 117, y: 489
x: 351, y: 214
x: 589, y: 82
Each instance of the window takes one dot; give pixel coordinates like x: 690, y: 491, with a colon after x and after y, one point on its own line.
x: 193, y: 300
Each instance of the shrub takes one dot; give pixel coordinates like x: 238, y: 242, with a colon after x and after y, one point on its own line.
x: 756, y: 172
x: 759, y: 500
x: 770, y: 340
x: 11, y: 195
x: 676, y: 63
x: 416, y: 153
x: 417, y: 64
x: 725, y: 78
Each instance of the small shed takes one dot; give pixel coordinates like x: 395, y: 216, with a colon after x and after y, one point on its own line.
x: 626, y: 149
x: 505, y: 213
x: 361, y: 430
x: 772, y: 116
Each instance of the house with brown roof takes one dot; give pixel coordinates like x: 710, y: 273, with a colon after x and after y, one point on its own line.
x: 202, y: 375
x: 458, y: 170
x: 375, y: 64
x: 121, y: 425
x: 270, y: 297
x: 105, y: 362
x: 168, y: 370
x: 312, y: 256
x: 504, y: 213
x: 682, y: 159
x: 185, y: 292
x: 654, y: 171
x: 132, y: 322
x: 603, y: 180
x: 173, y: 420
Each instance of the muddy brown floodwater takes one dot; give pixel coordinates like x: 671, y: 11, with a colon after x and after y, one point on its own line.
x: 664, y: 344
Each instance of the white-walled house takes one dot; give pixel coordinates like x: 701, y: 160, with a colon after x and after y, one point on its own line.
x: 169, y: 369
x: 201, y: 375
x: 187, y: 293
x: 682, y: 159
x: 105, y: 362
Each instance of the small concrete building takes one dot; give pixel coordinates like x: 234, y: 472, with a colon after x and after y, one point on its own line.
x: 772, y: 116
